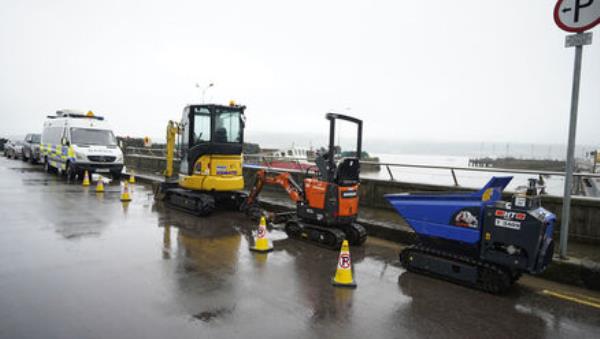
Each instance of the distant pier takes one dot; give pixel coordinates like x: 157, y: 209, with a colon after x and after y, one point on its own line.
x: 515, y: 163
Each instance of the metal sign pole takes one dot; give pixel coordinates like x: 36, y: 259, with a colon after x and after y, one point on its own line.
x: 566, y: 210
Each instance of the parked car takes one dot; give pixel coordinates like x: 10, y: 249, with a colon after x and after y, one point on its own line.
x: 31, y: 148
x: 13, y: 149
x: 2, y: 142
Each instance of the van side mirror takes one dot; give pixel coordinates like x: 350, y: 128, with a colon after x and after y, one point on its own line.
x: 64, y: 141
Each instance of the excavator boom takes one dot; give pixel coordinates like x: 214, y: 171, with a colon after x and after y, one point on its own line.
x: 172, y: 131
x: 282, y: 179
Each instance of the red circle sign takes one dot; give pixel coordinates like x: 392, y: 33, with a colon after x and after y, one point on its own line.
x: 577, y: 15
x: 345, y: 261
x: 261, y: 232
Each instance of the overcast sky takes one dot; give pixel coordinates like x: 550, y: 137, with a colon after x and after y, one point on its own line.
x: 434, y: 70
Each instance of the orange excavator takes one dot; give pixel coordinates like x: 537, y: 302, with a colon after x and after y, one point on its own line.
x: 327, y: 200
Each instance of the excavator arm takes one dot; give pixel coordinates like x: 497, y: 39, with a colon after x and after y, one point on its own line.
x: 172, y: 130
x: 282, y: 179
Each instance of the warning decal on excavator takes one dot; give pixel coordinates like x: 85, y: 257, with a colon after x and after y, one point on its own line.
x: 466, y: 218
x: 515, y: 225
x: 487, y: 195
x: 349, y: 194
x: 510, y: 215
x: 222, y: 170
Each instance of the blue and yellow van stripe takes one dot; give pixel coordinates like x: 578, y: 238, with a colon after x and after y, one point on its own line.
x: 58, y: 155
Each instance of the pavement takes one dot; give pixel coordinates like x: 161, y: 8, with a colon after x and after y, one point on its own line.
x: 76, y: 264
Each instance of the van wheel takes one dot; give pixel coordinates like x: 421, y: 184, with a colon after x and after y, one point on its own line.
x: 70, y: 172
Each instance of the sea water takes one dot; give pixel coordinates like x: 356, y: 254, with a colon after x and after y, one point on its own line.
x: 470, y: 179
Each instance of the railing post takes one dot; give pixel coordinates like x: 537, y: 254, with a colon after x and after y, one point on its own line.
x: 390, y: 172
x: 454, y: 177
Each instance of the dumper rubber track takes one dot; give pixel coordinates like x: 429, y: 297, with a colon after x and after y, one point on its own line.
x: 490, y: 277
x: 327, y: 237
x: 200, y: 204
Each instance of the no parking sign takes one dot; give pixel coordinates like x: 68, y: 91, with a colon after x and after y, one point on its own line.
x: 577, y: 15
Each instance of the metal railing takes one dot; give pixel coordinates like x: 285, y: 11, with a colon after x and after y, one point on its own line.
x: 453, y: 170
x: 267, y: 161
x: 261, y: 161
x: 300, y: 163
x: 157, y: 152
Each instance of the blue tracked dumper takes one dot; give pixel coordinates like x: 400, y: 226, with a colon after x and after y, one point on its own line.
x: 476, y: 238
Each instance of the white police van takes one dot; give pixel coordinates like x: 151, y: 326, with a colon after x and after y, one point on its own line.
x: 74, y: 142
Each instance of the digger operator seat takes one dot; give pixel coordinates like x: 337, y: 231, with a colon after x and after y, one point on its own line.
x: 347, y: 172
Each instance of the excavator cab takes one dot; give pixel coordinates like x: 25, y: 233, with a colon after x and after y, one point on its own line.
x: 212, y: 138
x: 345, y: 172
x: 331, y: 198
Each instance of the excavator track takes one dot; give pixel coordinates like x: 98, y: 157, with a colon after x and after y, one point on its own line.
x: 460, y: 269
x: 200, y: 204
x: 327, y: 237
x: 355, y: 233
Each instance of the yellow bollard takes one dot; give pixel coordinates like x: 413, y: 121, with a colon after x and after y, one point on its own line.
x: 261, y: 241
x: 132, y: 178
x: 86, y: 179
x: 100, y: 185
x: 125, y: 196
x: 343, y: 273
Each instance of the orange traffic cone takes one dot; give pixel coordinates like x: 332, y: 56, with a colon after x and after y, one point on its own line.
x: 343, y: 273
x: 86, y: 179
x: 100, y: 185
x: 125, y: 196
x: 261, y: 241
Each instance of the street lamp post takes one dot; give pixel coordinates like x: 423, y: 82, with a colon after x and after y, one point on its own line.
x: 204, y: 89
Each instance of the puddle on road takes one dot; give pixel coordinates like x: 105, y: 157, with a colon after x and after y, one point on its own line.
x: 72, y: 236
x: 208, y: 316
x: 26, y: 169
x: 36, y: 182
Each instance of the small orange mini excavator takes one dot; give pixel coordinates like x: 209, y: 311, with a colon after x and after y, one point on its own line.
x: 327, y: 202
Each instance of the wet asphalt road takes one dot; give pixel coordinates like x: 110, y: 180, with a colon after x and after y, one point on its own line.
x: 74, y: 264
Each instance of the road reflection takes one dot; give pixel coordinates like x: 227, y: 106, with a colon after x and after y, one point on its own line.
x: 206, y: 254
x: 442, y: 309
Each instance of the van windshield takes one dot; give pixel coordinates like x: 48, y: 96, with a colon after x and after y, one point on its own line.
x: 35, y: 138
x: 88, y: 136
